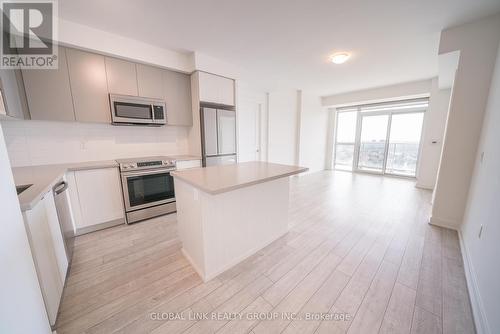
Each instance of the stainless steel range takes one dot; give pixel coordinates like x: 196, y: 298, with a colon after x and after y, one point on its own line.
x: 148, y: 187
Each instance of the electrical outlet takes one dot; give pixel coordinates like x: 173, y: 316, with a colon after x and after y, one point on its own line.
x: 480, y: 231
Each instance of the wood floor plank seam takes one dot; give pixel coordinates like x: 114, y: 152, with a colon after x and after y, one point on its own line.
x: 91, y: 307
x: 355, y: 311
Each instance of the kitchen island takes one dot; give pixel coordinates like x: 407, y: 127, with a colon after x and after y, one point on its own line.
x: 226, y: 213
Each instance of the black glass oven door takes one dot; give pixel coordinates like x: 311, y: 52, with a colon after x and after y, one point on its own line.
x: 148, y: 189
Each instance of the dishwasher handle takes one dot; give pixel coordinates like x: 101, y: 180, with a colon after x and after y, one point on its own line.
x: 60, y: 187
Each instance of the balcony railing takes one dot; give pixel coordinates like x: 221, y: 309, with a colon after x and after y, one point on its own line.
x: 402, y: 157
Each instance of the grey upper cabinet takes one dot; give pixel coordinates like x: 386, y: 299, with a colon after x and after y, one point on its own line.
x: 149, y: 81
x: 173, y: 87
x: 79, y: 89
x: 12, y: 95
x: 87, y: 74
x: 121, y: 76
x: 177, y: 88
x: 48, y: 92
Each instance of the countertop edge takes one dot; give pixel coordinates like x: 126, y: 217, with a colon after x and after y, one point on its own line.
x: 239, y: 186
x: 80, y: 168
x: 61, y: 169
x: 40, y: 194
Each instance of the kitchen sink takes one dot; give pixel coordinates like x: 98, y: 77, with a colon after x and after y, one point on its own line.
x: 22, y: 188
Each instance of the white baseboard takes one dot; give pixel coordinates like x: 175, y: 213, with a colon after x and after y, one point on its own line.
x: 474, y: 295
x: 97, y: 227
x: 424, y: 186
x: 443, y: 223
x: 478, y: 314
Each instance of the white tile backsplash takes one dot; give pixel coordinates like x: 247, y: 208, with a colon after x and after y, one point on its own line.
x: 32, y: 143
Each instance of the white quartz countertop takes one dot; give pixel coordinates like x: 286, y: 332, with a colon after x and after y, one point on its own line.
x: 44, y: 178
x: 224, y: 178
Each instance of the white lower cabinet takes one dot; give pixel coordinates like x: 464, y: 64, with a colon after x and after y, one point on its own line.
x: 49, y: 255
x: 96, y: 198
x: 184, y: 164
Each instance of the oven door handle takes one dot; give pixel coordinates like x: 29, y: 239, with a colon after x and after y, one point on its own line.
x: 149, y: 172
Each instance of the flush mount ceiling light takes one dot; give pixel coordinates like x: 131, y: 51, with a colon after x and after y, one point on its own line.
x: 340, y: 58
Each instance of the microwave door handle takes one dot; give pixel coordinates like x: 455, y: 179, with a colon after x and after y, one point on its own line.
x: 153, y: 112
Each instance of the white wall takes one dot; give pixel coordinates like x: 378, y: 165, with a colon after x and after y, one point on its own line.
x: 478, y: 44
x: 313, y: 132
x: 483, y: 210
x: 88, y: 38
x: 433, y: 131
x: 400, y: 91
x: 21, y: 304
x: 283, y: 127
x: 298, y: 128
x: 203, y: 62
x: 40, y: 143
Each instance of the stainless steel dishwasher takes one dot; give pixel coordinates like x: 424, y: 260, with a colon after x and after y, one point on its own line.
x: 61, y: 198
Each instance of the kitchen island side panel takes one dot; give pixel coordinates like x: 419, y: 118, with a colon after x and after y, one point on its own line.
x: 222, y: 230
x: 189, y: 217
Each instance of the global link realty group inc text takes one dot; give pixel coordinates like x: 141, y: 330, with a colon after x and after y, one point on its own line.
x: 253, y: 316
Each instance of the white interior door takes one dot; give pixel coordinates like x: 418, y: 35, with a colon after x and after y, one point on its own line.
x: 249, y: 131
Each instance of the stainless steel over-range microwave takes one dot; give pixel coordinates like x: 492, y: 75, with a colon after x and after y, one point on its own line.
x: 135, y: 110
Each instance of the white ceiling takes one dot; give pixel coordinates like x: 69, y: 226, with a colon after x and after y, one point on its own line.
x: 286, y: 43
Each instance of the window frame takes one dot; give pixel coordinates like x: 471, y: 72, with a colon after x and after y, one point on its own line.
x: 407, y: 106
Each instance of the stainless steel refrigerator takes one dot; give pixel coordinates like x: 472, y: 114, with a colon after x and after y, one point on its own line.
x: 218, y: 133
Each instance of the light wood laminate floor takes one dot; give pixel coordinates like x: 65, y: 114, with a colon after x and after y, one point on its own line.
x: 360, y: 258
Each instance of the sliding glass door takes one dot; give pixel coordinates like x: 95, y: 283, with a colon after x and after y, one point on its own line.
x: 404, y: 143
x: 382, y: 138
x: 373, y: 143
